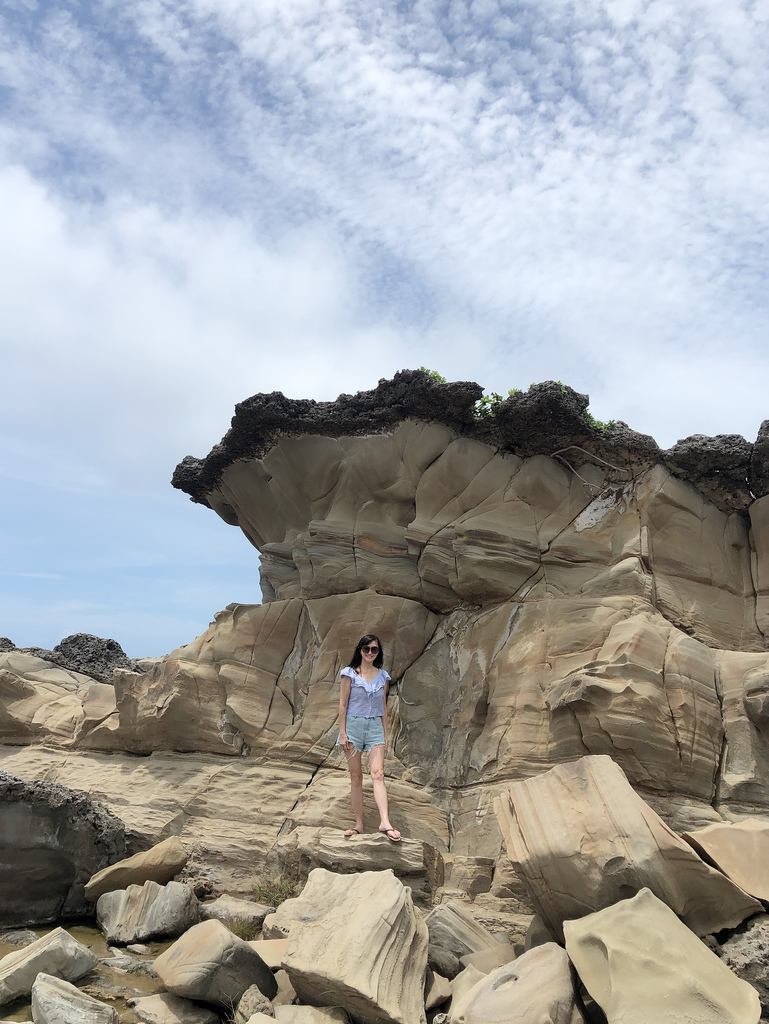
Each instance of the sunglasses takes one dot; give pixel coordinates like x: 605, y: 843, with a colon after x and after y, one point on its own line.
x: 370, y: 649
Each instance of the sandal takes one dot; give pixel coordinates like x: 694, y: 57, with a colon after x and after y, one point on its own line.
x: 354, y: 832
x: 392, y: 834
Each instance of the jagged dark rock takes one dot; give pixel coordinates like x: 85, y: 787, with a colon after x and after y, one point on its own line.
x: 717, y: 466
x: 82, y: 652
x: 758, y: 476
x: 52, y: 839
x: 548, y: 419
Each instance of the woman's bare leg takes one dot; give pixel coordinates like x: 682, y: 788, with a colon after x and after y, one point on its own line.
x: 356, y: 788
x: 376, y: 767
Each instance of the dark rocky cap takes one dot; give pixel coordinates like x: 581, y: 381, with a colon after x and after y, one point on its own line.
x: 548, y: 419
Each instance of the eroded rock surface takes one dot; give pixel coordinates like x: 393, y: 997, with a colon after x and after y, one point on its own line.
x: 51, y: 841
x: 149, y: 911
x: 160, y: 864
x: 375, y: 966
x: 643, y: 966
x: 581, y: 839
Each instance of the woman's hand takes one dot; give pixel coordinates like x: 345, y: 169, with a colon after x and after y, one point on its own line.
x: 344, y: 743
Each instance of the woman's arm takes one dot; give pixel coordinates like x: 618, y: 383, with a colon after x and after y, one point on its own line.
x: 384, y: 717
x: 344, y: 696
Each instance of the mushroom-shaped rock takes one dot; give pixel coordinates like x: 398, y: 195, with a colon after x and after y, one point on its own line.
x: 164, y: 1008
x: 740, y: 850
x: 357, y: 941
x: 148, y: 911
x: 160, y: 864
x: 642, y: 965
x: 210, y: 964
x: 55, y: 1001
x: 580, y: 839
x: 535, y: 989
x: 56, y: 954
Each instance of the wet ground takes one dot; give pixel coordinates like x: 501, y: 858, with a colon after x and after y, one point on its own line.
x: 106, y: 983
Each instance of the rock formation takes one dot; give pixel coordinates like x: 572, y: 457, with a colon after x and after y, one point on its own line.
x: 546, y: 590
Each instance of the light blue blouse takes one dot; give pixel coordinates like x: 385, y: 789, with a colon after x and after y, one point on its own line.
x: 366, y: 698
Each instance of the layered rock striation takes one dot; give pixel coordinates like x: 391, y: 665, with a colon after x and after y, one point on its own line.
x: 544, y: 590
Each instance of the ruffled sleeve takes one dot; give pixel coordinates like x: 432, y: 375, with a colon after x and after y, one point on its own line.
x: 348, y: 672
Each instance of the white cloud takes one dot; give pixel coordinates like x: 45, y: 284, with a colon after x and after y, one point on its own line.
x: 201, y: 199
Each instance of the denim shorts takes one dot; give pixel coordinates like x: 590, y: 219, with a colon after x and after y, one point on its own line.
x: 364, y: 733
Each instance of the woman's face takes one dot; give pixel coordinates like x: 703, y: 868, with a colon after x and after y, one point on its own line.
x: 368, y: 652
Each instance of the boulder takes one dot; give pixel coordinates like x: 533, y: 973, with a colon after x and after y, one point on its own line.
x: 253, y: 1001
x: 454, y: 933
x: 121, y: 961
x: 160, y: 864
x: 416, y: 864
x: 55, y: 1001
x: 536, y: 989
x: 642, y: 965
x: 165, y: 1008
x: 581, y: 839
x: 286, y: 994
x: 746, y: 954
x: 210, y: 964
x: 56, y: 953
x: 228, y: 908
x: 149, y: 911
x: 52, y: 839
x: 739, y: 850
x: 375, y: 964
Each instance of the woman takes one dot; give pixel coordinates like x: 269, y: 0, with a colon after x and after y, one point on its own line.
x: 363, y: 729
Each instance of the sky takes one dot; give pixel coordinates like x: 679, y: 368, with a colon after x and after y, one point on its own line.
x: 205, y: 199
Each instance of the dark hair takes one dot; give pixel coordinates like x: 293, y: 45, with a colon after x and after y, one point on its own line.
x: 357, y: 658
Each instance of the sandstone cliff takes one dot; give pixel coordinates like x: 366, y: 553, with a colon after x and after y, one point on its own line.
x: 544, y: 589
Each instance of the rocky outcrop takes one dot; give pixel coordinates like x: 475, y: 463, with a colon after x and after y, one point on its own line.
x: 643, y: 966
x: 418, y: 865
x: 375, y: 966
x: 581, y: 839
x: 546, y: 589
x: 51, y: 841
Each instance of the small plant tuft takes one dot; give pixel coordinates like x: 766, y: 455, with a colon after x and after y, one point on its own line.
x: 600, y: 425
x: 433, y: 374
x: 275, y: 891
x: 246, y: 930
x: 487, y: 404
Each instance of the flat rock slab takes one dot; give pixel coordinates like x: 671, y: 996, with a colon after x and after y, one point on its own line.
x: 271, y: 951
x: 148, y: 911
x: 57, y: 954
x: 740, y: 850
x: 357, y: 941
x: 210, y: 964
x: 160, y: 864
x: 228, y: 908
x: 55, y: 1001
x: 535, y: 989
x: 165, y: 1008
x: 581, y: 839
x: 415, y: 863
x: 642, y: 965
